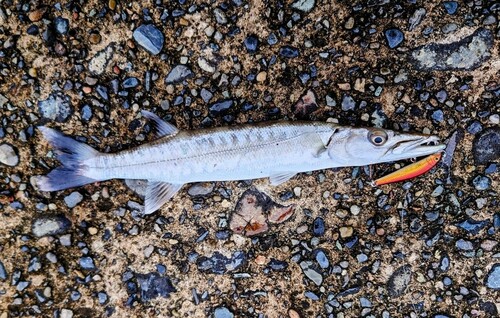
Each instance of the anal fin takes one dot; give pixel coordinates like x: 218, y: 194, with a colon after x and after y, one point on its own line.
x: 162, y: 127
x: 157, y: 193
x: 280, y: 177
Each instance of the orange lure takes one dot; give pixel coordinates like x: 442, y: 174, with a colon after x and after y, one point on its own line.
x: 411, y: 171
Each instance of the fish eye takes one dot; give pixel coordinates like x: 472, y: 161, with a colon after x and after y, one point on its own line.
x: 377, y: 137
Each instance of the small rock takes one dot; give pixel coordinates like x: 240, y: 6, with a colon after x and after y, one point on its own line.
x: 205, y: 65
x: 277, y: 265
x: 220, y: 16
x: 50, y: 225
x: 346, y: 231
x: 130, y: 82
x: 100, y: 60
x: 493, y: 279
x: 466, y: 54
x: 73, y: 199
x: 305, y: 105
x: 473, y: 226
x: 322, y: 259
x: 223, y: 312
x: 399, y: 281
x: 416, y: 18
x: 289, y: 51
x: 56, y: 107
x: 219, y: 264
x: 464, y: 245
x: 66, y: 313
x: 3, y: 272
x: 394, y: 37
x: 178, y: 74
x: 8, y: 155
x: 311, y: 273
x: 220, y: 107
x: 149, y: 38
x: 201, y: 189
x: 153, y: 285
x: 304, y: 5
x: 481, y: 183
x: 251, y: 43
x: 485, y: 146
x: 87, y: 263
x: 206, y: 95
x: 450, y: 6
x: 62, y: 25
x: 318, y: 227
x: 348, y: 103
x: 475, y: 127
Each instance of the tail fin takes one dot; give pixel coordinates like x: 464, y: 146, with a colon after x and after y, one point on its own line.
x: 71, y: 154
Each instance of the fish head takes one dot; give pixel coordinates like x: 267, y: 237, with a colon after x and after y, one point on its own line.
x: 364, y: 146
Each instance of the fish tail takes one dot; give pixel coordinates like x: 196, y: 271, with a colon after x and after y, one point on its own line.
x: 72, y: 155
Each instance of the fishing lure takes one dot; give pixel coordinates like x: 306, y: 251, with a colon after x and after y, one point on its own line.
x: 411, y: 171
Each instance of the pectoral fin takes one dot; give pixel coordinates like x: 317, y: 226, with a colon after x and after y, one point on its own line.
x: 162, y: 127
x: 157, y: 193
x: 280, y: 177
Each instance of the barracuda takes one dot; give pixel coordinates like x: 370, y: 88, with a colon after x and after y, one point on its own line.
x: 278, y: 150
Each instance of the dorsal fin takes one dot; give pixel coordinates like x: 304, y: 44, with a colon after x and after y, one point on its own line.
x: 162, y: 127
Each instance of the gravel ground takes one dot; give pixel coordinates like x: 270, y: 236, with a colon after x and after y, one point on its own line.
x: 330, y: 245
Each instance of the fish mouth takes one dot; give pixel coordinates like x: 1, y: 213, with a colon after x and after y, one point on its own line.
x: 417, y: 147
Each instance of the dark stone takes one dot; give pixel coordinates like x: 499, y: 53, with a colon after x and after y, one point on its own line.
x: 130, y: 82
x: 481, y: 183
x: 289, y: 51
x: 318, y: 227
x: 394, y: 37
x: 178, y: 74
x: 221, y: 107
x: 277, y: 265
x: 154, y: 285
x: 475, y: 127
x: 473, y: 226
x: 3, y: 272
x: 450, y: 6
x: 149, y: 38
x: 485, y: 146
x: 251, y: 43
x: 219, y: 264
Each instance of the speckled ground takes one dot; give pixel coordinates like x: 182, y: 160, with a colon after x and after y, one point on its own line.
x: 424, y: 248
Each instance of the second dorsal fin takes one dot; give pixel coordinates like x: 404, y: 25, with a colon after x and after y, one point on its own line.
x: 162, y: 127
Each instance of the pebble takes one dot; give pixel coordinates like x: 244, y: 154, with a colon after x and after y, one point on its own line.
x: 318, y: 227
x: 205, y: 65
x: 178, y: 74
x: 481, y: 183
x: 416, y: 18
x: 399, y: 281
x: 450, y: 7
x: 485, y: 146
x: 346, y: 231
x: 322, y: 259
x: 473, y: 226
x: 492, y: 280
x: 149, y: 38
x: 201, y: 189
x: 100, y: 60
x: 465, y: 54
x: 73, y: 199
x: 87, y: 263
x: 8, y: 155
x: 304, y: 5
x: 475, y: 127
x: 394, y: 37
x: 130, y: 82
x: 464, y: 245
x: 311, y: 273
x: 348, y: 103
x: 62, y: 25
x: 56, y: 107
x: 220, y: 16
x: 66, y: 313
x: 153, y: 285
x: 221, y: 107
x: 3, y: 272
x: 50, y: 225
x: 289, y: 51
x: 219, y: 264
x: 251, y: 43
x: 223, y: 312
x: 277, y: 265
